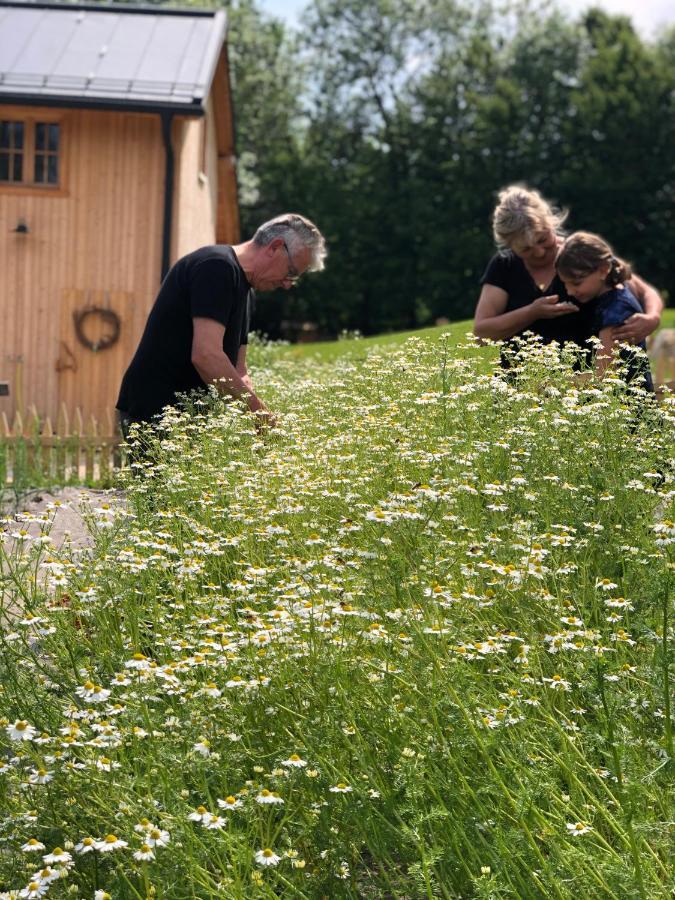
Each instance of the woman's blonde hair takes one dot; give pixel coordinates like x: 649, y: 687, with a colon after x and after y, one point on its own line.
x: 584, y: 253
x: 521, y: 213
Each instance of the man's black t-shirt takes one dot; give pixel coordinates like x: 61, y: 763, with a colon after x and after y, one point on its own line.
x: 208, y: 283
x: 507, y: 271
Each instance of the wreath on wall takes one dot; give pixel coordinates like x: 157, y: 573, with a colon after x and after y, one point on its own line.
x: 109, y: 318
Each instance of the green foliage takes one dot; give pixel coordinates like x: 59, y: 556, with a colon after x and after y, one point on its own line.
x: 430, y: 613
x: 414, y: 115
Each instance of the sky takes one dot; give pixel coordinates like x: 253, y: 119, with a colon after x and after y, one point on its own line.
x: 648, y: 15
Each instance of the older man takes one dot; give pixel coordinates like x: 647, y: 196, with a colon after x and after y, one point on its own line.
x: 197, y: 330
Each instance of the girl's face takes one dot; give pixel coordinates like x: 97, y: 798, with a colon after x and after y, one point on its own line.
x: 585, y: 287
x: 539, y: 252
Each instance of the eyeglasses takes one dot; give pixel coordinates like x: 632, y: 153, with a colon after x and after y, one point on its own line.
x: 293, y: 275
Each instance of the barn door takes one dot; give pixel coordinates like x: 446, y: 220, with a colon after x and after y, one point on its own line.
x: 94, y: 349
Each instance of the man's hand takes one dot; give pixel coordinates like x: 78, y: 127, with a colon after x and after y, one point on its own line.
x: 264, y: 420
x: 635, y: 329
x: 549, y: 308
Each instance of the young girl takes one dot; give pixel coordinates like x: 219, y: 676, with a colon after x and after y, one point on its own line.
x: 592, y: 274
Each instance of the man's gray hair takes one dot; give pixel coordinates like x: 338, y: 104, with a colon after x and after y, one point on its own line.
x: 297, y: 232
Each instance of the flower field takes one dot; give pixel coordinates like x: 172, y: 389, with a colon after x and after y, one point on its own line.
x: 413, y: 643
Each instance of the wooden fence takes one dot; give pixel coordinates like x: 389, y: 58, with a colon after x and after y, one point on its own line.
x: 36, y: 453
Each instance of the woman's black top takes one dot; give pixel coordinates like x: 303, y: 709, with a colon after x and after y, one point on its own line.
x: 507, y: 271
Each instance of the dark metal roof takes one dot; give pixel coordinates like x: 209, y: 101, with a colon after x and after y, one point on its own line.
x: 112, y: 55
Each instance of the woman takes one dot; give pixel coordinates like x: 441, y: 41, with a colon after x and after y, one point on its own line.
x: 521, y: 290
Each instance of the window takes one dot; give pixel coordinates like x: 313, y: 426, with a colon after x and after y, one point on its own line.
x: 29, y: 153
x: 11, y: 151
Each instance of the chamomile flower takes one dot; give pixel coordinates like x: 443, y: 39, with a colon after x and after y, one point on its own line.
x: 578, y: 828
x: 109, y: 843
x: 21, y: 731
x: 266, y: 797
x: 58, y: 857
x: 157, y: 837
x: 33, y: 846
x: 267, y: 857
x: 294, y: 761
x: 230, y: 802
x: 34, y: 889
x: 558, y: 683
x: 40, y: 776
x: 340, y: 788
x: 203, y: 747
x: 145, y: 853
x: 86, y: 845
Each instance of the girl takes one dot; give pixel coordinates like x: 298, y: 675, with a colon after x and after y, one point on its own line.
x: 593, y: 275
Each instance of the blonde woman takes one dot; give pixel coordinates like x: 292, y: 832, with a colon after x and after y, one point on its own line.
x: 521, y: 290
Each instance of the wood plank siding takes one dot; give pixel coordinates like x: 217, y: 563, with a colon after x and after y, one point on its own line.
x: 205, y: 202
x: 96, y: 241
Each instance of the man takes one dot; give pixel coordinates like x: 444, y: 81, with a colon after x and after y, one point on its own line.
x: 197, y: 330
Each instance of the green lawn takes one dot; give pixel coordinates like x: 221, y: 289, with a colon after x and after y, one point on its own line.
x: 326, y: 351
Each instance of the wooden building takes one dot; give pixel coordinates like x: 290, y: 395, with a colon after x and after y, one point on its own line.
x: 116, y: 158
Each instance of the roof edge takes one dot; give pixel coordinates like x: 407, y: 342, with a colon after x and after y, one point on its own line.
x: 180, y: 109
x: 131, y: 9
x: 213, y: 51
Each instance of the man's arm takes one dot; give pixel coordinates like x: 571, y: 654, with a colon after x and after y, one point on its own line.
x: 635, y: 329
x: 214, y: 367
x: 242, y: 369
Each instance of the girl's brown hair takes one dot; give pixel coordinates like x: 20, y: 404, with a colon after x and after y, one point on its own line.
x: 584, y: 253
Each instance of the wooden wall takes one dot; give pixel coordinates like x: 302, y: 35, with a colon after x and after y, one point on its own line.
x: 205, y: 203
x: 94, y: 241
x: 196, y: 194
x: 97, y: 241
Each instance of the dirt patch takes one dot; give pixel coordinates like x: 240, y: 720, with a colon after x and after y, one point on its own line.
x: 67, y: 509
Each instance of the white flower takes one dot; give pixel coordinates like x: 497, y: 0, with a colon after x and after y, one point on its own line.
x: 93, y: 693
x: 558, y: 683
x: 109, y: 843
x: 86, y: 845
x: 577, y: 828
x: 40, y: 776
x: 33, y: 845
x: 201, y: 814
x: 34, y: 889
x: 106, y: 765
x: 340, y: 788
x: 230, y: 803
x: 214, y: 822
x: 157, y: 837
x: 203, y: 747
x: 294, y: 761
x: 145, y: 853
x: 211, y: 690
x: 21, y: 731
x: 604, y: 584
x: 62, y: 857
x: 266, y: 796
x: 267, y: 857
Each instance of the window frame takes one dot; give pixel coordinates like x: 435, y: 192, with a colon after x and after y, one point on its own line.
x: 30, y: 122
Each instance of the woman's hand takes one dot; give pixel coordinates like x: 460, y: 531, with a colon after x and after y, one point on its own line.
x: 636, y: 329
x: 549, y: 308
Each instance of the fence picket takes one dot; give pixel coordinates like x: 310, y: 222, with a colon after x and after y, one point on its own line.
x: 33, y: 452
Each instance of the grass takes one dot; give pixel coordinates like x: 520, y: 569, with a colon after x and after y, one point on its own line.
x: 414, y: 643
x: 455, y: 333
